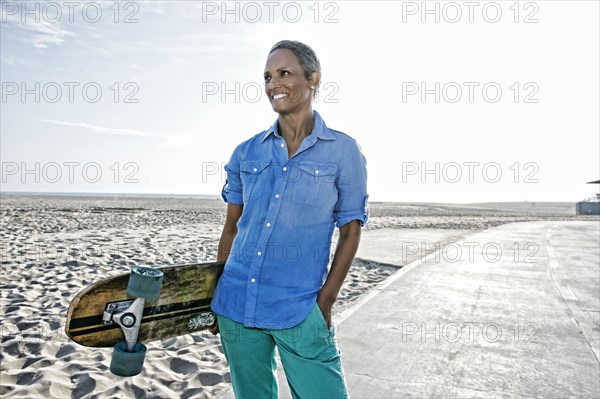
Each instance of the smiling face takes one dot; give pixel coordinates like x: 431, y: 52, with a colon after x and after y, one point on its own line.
x: 286, y: 86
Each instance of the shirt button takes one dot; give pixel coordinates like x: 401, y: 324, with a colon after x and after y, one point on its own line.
x: 254, y: 169
x: 316, y: 172
x: 284, y: 168
x: 259, y: 253
x: 283, y: 145
x: 253, y: 280
x: 268, y: 224
x: 276, y: 195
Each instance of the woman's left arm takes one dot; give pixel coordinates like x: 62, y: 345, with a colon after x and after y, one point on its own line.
x: 342, y: 260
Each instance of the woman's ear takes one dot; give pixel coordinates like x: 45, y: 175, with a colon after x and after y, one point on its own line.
x: 315, y: 79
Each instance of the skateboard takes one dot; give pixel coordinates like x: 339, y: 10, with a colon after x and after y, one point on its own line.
x: 146, y: 305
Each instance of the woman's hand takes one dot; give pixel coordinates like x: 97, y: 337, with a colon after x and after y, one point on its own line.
x: 325, y: 302
x: 214, y: 329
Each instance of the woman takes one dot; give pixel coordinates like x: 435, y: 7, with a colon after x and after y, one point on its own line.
x: 286, y: 189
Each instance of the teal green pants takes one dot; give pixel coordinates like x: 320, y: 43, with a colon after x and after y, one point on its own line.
x: 308, y: 351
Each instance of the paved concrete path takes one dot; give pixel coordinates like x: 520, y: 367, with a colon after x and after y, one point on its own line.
x: 512, y: 311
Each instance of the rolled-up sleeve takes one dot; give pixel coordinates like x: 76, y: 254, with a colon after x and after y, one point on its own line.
x: 232, y: 189
x: 352, y: 201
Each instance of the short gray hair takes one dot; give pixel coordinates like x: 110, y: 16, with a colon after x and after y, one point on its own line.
x: 306, y: 55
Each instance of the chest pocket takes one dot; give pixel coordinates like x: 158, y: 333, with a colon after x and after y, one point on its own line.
x: 313, y: 183
x: 254, y: 175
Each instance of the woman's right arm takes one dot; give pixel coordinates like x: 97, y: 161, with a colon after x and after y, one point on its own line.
x: 229, y: 231
x: 234, y: 212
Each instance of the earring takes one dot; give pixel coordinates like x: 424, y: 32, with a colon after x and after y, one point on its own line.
x: 312, y: 87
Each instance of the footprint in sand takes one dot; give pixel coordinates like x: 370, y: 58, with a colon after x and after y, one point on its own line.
x: 84, y: 385
x: 183, y: 366
x: 65, y: 350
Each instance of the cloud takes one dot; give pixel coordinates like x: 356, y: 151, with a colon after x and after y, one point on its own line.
x: 18, y: 62
x: 100, y: 129
x: 42, y: 32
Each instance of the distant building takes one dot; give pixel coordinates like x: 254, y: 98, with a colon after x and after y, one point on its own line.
x: 591, y: 205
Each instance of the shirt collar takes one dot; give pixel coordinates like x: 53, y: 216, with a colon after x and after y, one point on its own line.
x: 320, y: 129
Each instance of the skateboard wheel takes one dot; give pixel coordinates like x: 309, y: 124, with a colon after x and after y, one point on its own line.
x: 127, y: 364
x: 145, y: 282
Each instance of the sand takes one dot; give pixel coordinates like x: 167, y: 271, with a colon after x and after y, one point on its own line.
x: 52, y: 247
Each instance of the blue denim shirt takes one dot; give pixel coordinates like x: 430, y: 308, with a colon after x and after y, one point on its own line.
x: 280, y: 255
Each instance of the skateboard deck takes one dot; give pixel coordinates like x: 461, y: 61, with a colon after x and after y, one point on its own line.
x: 182, y: 307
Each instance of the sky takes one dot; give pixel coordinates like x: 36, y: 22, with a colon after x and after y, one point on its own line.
x: 450, y: 101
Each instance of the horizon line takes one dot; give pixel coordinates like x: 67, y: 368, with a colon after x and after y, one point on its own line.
x: 218, y: 196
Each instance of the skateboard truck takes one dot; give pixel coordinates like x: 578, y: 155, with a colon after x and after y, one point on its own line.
x: 128, y: 356
x: 128, y: 315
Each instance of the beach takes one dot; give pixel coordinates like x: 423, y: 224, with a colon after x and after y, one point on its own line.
x: 54, y: 246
